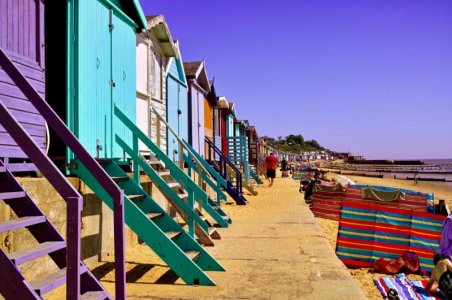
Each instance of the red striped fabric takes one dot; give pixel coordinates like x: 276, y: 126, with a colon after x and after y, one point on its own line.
x: 327, y: 204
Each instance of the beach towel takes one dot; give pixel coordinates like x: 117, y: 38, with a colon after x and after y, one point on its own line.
x: 406, y: 288
x: 445, y: 246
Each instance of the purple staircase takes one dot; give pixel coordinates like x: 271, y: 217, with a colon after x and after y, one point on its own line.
x: 48, y: 242
x: 80, y: 282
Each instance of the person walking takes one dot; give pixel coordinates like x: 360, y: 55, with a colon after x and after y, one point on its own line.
x: 415, y: 179
x: 271, y: 163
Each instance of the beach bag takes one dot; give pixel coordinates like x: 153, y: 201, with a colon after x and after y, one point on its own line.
x: 411, y: 262
x: 389, y: 267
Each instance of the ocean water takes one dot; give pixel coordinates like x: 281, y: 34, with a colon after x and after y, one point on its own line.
x: 443, y: 165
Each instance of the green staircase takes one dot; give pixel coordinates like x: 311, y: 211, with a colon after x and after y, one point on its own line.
x: 255, y: 176
x: 184, y: 255
x: 168, y: 176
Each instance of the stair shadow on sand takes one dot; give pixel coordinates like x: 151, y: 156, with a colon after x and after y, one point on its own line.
x: 137, y: 272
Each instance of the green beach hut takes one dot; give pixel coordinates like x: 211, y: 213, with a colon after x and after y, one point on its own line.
x: 95, y: 71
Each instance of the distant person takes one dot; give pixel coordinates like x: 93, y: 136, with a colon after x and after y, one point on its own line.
x: 284, y: 168
x: 415, y: 179
x: 271, y: 163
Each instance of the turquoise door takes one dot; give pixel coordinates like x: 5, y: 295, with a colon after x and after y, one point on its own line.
x: 177, y: 110
x: 102, y: 62
x: 124, y: 78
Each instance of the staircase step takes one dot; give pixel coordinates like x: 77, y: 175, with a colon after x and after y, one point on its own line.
x: 104, y: 161
x: 96, y: 295
x: 136, y: 197
x: 120, y: 178
x: 183, y: 195
x: 173, y: 234
x: 2, y: 169
x: 154, y: 215
x: 52, y: 281
x: 25, y: 255
x: 12, y: 195
x: 164, y: 173
x: 193, y: 254
x: 173, y: 184
x: 226, y: 218
x: 154, y: 162
x: 21, y: 223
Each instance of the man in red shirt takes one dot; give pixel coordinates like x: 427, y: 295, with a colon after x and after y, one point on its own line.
x: 271, y: 163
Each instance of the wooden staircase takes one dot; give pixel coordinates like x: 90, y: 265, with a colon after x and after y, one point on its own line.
x: 183, y: 254
x: 232, y: 176
x: 49, y: 242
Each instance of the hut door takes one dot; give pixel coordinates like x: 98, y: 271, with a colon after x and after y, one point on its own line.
x: 92, y: 84
x: 105, y: 75
x: 177, y: 115
x: 124, y: 78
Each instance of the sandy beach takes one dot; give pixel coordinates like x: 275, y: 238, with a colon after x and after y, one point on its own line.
x: 274, y: 249
x: 363, y: 276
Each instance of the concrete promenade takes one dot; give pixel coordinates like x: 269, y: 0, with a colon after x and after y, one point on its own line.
x: 273, y: 250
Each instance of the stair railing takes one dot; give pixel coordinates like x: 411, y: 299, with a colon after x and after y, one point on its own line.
x: 224, y: 161
x: 63, y: 132
x: 195, y: 192
x: 238, y: 153
x: 184, y: 146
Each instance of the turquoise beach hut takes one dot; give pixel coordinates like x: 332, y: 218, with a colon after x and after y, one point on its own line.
x: 99, y: 66
x: 177, y: 104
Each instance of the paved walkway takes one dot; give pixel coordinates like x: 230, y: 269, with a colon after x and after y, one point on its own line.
x: 273, y: 250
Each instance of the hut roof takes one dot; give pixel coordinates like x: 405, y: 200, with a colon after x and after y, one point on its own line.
x: 197, y: 70
x: 132, y: 8
x: 159, y: 28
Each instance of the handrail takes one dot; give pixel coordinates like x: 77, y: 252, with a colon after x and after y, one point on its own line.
x: 154, y: 148
x: 224, y: 160
x: 60, y: 128
x: 181, y: 141
x: 189, y: 185
x: 62, y: 186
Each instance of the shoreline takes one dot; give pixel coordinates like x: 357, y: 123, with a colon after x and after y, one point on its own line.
x: 362, y: 275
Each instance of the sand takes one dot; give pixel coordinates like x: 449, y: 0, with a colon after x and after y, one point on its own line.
x: 363, y: 276
x: 275, y: 249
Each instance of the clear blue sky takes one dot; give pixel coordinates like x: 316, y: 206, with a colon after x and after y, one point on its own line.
x: 372, y: 77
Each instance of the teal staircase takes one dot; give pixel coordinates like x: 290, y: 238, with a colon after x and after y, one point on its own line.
x: 255, y: 176
x: 184, y: 255
x: 168, y: 176
x: 220, y: 195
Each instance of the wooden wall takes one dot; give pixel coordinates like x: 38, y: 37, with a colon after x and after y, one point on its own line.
x: 22, y: 38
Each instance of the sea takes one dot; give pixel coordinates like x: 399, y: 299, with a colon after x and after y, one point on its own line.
x: 442, y: 170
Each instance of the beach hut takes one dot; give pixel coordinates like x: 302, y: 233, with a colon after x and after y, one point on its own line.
x: 210, y: 104
x: 96, y: 71
x: 22, y: 39
x: 154, y: 49
x: 221, y: 110
x: 198, y: 88
x: 253, y: 139
x: 177, y: 104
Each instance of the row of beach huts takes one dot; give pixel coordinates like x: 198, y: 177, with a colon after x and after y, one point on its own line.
x: 96, y: 97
